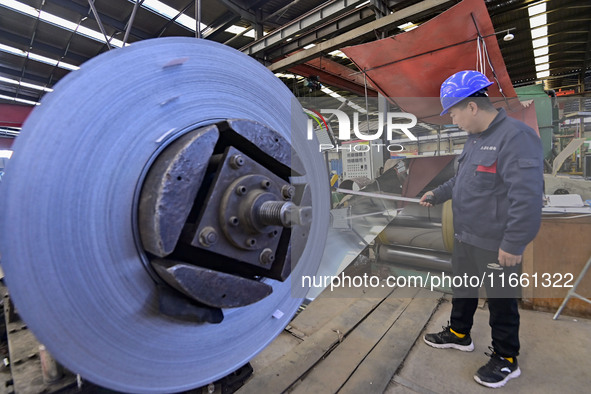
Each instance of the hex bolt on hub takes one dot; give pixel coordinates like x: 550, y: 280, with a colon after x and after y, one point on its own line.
x: 267, y: 257
x: 208, y: 236
x: 288, y: 192
x: 236, y: 161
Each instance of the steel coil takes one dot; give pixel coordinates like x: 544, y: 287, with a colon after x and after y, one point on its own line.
x: 68, y: 220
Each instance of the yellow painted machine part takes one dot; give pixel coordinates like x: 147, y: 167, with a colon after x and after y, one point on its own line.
x: 447, y: 226
x: 334, y: 179
x: 382, y: 238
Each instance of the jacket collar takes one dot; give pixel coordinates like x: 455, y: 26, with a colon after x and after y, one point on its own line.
x: 501, y: 116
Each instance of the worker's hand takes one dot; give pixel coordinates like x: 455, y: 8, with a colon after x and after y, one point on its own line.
x: 508, y: 259
x: 423, y: 200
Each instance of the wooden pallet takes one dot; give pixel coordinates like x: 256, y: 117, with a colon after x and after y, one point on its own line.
x: 345, y: 341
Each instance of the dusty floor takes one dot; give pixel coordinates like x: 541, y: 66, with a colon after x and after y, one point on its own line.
x: 555, y: 357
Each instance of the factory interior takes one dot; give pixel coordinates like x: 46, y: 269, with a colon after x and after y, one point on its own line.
x: 234, y: 196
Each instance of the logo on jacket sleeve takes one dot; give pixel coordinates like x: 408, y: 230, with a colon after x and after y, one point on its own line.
x: 488, y: 147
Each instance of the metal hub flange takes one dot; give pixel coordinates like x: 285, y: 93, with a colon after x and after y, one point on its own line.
x: 218, y: 205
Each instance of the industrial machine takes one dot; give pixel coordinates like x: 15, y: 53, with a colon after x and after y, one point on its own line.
x: 160, y: 208
x: 156, y: 211
x: 412, y: 237
x: 155, y: 227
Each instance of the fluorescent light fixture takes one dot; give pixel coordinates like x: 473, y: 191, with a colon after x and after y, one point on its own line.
x: 537, y: 21
x: 239, y: 29
x: 235, y: 29
x: 282, y: 75
x: 13, y: 131
x: 540, y: 42
x: 309, y: 46
x: 334, y: 94
x: 537, y: 9
x: 338, y: 54
x: 540, y: 51
x: 407, y: 26
x: 52, y: 62
x: 362, y: 4
x: 19, y: 7
x: 539, y: 32
x: 19, y: 100
x: 542, y: 67
x: 38, y: 58
x: 57, y: 21
x: 168, y: 12
x: 25, y: 84
x: 5, y: 154
x: 12, y: 50
x: 543, y: 74
x: 542, y: 59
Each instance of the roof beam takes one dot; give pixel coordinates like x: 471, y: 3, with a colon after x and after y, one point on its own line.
x: 221, y: 24
x: 350, y: 21
x: 11, y: 93
x: 171, y: 21
x: 304, y: 23
x: 281, y: 10
x: 47, y: 49
x: 380, y: 7
x: 586, y: 60
x: 524, y: 5
x: 352, y: 35
x: 28, y: 77
x: 238, y: 9
x: 85, y: 10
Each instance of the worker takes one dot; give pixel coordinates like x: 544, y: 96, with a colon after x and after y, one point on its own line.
x: 497, y: 205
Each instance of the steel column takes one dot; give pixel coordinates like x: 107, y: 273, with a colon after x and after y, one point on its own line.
x: 100, y: 23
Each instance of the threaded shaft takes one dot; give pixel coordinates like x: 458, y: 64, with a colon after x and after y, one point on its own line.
x: 270, y: 213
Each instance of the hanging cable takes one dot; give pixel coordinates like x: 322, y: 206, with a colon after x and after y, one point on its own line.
x: 483, y: 58
x: 494, y: 72
x: 366, y: 101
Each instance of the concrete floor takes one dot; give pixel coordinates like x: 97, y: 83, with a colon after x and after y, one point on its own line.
x: 555, y: 357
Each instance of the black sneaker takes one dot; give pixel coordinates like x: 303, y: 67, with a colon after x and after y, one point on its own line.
x: 497, y: 371
x: 448, y: 340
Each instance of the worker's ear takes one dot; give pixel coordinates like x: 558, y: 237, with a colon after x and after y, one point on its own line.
x: 473, y: 107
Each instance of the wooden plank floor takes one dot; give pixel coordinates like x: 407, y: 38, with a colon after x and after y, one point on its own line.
x: 345, y: 341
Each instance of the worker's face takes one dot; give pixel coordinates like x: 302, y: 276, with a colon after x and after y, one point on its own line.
x: 464, y: 117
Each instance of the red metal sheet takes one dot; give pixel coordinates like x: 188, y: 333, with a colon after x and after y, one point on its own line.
x: 409, y: 68
x: 334, y: 74
x: 12, y: 115
x: 6, y: 143
x: 527, y: 114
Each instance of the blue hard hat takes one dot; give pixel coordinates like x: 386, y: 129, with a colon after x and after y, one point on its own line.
x: 461, y: 85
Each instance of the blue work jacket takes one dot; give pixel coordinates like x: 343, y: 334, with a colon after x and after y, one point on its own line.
x: 498, y: 188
